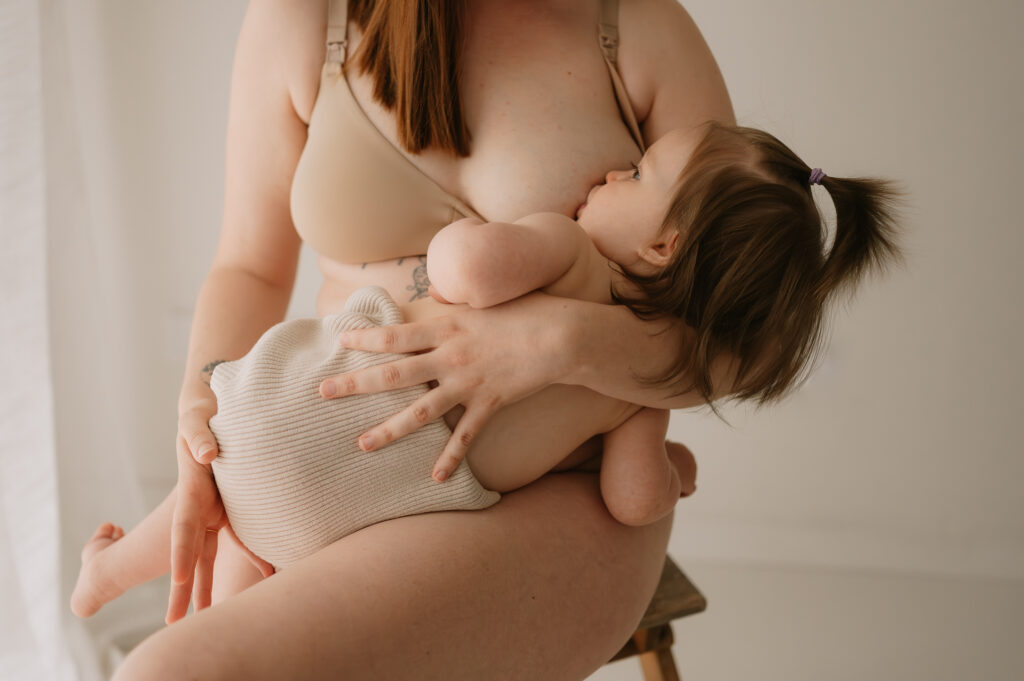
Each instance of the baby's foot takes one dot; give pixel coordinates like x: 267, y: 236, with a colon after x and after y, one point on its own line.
x: 94, y: 589
x: 686, y: 466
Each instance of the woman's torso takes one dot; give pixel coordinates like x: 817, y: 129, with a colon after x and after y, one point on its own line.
x: 541, y: 108
x: 545, y: 126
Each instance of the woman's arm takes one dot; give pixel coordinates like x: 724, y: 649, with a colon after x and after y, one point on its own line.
x: 671, y: 75
x: 622, y: 363
x: 249, y: 284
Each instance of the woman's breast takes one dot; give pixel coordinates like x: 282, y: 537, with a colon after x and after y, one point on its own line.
x: 354, y: 198
x: 545, y: 128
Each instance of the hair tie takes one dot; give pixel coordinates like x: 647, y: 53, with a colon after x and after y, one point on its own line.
x: 817, y: 175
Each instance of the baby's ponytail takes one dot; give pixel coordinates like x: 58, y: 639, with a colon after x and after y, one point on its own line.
x: 865, y: 238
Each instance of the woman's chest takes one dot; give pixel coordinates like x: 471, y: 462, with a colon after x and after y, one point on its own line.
x: 542, y: 113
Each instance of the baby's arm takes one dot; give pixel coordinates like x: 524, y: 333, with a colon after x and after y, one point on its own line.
x: 641, y: 478
x: 487, y: 263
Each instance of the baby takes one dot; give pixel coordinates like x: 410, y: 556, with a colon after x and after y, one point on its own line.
x: 716, y: 226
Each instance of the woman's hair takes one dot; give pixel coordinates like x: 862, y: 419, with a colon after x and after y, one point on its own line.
x: 411, y: 48
x: 750, y: 274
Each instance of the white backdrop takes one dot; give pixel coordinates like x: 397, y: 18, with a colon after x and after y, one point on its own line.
x: 899, y: 455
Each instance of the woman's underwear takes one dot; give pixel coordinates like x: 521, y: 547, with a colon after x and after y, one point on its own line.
x: 290, y: 473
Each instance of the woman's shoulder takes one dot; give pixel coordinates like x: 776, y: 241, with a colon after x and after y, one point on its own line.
x: 668, y: 68
x: 287, y: 38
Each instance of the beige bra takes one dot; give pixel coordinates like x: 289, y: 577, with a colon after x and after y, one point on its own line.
x: 355, y: 198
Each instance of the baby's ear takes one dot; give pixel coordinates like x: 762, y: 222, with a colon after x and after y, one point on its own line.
x: 659, y: 253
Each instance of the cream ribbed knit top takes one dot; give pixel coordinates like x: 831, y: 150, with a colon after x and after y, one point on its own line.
x: 289, y: 472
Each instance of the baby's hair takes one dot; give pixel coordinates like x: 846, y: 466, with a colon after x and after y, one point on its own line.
x: 750, y: 274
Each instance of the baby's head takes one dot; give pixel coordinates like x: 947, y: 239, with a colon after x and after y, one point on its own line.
x: 727, y: 237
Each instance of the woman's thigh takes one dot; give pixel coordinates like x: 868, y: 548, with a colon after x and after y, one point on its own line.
x: 544, y: 585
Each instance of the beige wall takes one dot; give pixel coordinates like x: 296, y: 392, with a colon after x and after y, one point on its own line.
x: 901, y: 452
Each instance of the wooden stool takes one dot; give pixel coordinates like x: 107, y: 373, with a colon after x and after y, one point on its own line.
x: 675, y: 597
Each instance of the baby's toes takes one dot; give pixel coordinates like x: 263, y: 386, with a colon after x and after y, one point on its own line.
x: 103, y: 535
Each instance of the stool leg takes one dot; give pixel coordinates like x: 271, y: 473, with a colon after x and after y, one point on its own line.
x: 654, y: 647
x: 659, y: 665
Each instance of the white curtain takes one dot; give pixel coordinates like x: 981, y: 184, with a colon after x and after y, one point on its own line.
x: 64, y: 463
x: 31, y: 643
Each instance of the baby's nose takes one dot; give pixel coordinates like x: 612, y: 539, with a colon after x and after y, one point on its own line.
x: 614, y: 175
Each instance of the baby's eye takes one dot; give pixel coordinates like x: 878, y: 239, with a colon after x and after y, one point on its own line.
x: 636, y: 171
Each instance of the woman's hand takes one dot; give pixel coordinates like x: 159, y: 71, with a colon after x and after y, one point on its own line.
x: 481, y: 359
x: 198, y: 516
x: 198, y: 512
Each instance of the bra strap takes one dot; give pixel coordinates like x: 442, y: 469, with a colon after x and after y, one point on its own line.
x: 609, y: 28
x: 337, y: 34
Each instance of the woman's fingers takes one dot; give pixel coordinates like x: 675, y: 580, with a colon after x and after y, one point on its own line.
x: 203, y: 590
x: 186, y: 526
x: 430, y: 406
x: 400, y: 373
x: 462, y: 437
x: 194, y: 427
x: 410, y: 337
x: 177, y: 603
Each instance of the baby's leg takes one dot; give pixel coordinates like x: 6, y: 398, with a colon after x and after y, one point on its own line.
x: 525, y: 440
x: 113, y: 562
x: 641, y: 479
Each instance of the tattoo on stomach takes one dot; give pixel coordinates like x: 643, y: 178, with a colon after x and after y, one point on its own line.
x: 420, y: 283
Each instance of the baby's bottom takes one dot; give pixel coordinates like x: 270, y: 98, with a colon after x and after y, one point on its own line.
x: 544, y: 585
x: 289, y: 472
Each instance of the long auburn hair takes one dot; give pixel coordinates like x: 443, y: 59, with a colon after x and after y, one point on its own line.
x: 750, y: 274
x: 412, y: 50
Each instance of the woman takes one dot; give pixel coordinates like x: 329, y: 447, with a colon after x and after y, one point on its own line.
x: 544, y: 585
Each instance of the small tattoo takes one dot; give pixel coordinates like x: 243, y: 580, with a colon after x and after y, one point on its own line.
x: 363, y: 267
x: 420, y: 283
x: 207, y: 373
x: 400, y: 261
